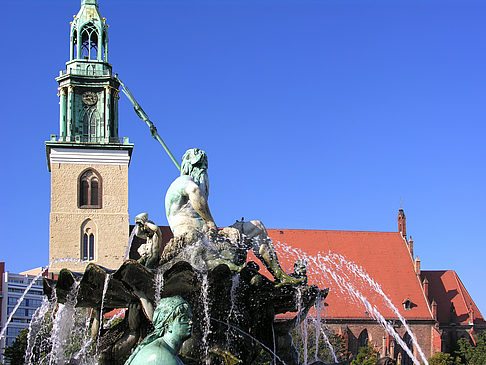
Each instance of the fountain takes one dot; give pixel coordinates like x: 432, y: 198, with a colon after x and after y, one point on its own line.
x: 234, y: 306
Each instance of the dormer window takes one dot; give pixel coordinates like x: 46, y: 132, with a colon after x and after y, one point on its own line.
x: 89, y: 189
x: 407, y: 304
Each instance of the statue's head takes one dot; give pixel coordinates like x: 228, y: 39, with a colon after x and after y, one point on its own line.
x: 173, y: 316
x: 141, y: 218
x: 194, y: 164
x: 193, y: 159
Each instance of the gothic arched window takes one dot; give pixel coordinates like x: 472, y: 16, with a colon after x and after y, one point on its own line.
x: 89, y: 42
x: 89, y: 189
x: 74, y: 43
x: 88, y: 240
x: 363, y: 339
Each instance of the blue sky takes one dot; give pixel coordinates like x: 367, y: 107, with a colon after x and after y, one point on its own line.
x: 315, y: 114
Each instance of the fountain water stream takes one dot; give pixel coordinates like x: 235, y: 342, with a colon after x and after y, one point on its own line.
x: 105, y: 288
x: 37, y: 277
x: 62, y: 326
x: 235, y: 282
x: 158, y: 284
x: 376, y: 287
x: 205, y: 302
x: 332, y: 265
x: 129, y: 246
x: 35, y: 327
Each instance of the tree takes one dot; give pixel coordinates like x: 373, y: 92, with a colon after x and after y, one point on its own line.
x: 367, y: 355
x: 441, y: 358
x: 306, y: 334
x: 15, y: 353
x: 473, y: 354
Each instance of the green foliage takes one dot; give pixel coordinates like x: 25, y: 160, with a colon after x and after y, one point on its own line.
x: 441, y: 358
x: 323, y: 352
x: 15, y: 353
x: 470, y: 354
x: 367, y: 355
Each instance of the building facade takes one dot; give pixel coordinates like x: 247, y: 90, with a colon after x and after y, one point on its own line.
x: 87, y: 160
x: 13, y: 286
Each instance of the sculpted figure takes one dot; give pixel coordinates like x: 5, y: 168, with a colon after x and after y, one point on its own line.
x: 149, y: 251
x: 172, y: 322
x: 186, y: 205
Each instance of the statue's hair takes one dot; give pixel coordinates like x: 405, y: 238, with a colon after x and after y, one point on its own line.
x: 168, y: 310
x: 194, y: 163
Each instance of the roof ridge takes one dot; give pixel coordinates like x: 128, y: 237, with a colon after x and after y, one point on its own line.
x: 410, y: 254
x: 328, y: 230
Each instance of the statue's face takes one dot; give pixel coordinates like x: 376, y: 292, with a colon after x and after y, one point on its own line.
x: 181, y: 327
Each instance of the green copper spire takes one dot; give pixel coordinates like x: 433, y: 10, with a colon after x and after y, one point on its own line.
x: 89, y: 33
x: 88, y: 90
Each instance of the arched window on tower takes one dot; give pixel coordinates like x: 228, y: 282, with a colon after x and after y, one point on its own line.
x: 89, y: 42
x: 88, y: 240
x: 74, y: 43
x: 89, y: 189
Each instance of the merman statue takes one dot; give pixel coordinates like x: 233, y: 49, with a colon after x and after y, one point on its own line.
x: 149, y: 251
x: 187, y: 210
x: 173, y: 325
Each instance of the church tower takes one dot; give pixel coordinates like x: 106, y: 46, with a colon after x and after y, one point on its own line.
x: 87, y: 160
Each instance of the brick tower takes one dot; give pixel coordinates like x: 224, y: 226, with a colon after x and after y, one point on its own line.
x: 87, y: 160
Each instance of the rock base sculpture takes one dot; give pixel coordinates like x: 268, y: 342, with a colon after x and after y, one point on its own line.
x: 233, y: 313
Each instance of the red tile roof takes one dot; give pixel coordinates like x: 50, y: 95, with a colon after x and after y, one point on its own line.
x: 384, y: 256
x: 454, y: 304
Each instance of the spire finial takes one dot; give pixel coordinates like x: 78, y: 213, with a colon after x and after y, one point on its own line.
x: 89, y: 2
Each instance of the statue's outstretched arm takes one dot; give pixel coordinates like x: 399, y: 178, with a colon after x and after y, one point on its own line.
x: 199, y: 203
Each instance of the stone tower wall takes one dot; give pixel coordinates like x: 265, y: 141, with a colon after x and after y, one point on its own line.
x: 111, y: 221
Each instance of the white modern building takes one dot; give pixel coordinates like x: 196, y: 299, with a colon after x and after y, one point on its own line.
x: 12, y: 288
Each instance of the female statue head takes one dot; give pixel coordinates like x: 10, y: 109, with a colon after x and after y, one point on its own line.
x: 173, y: 315
x: 172, y: 322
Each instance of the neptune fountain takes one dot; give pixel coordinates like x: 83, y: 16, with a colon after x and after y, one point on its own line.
x: 202, y: 270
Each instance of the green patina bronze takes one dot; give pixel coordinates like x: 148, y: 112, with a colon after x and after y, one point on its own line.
x: 88, y: 91
x: 172, y: 322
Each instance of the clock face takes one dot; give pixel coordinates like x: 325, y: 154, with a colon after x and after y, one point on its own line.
x: 90, y: 98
